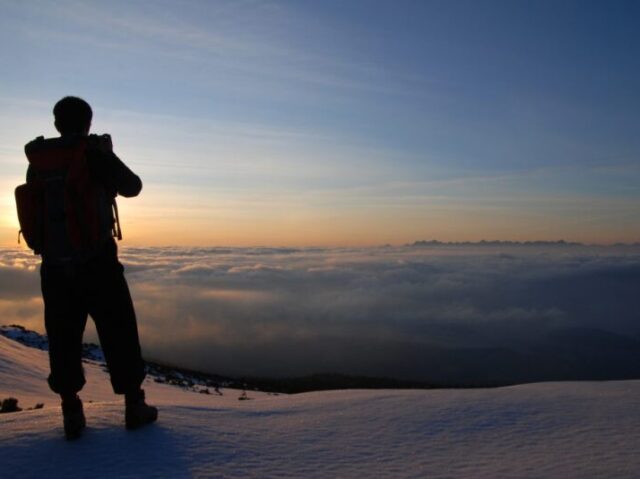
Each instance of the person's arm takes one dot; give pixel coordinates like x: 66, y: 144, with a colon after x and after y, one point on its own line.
x: 116, y: 176
x: 126, y: 182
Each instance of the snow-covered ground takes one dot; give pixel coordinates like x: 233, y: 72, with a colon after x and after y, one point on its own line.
x: 563, y: 430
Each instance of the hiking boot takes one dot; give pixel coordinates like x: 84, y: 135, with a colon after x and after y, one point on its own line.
x: 137, y: 412
x: 73, y: 418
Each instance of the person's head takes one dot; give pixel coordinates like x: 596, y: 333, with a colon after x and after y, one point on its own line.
x: 72, y: 116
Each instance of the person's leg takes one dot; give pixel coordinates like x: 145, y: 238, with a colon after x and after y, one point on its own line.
x: 111, y: 308
x: 65, y: 317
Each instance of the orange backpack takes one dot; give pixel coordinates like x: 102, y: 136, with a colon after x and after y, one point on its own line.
x: 63, y: 213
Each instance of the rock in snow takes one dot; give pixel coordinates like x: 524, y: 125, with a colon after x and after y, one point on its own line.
x: 571, y: 429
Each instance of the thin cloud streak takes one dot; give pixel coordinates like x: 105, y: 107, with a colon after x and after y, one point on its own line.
x: 261, y: 50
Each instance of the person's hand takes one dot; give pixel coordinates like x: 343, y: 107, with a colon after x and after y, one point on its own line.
x: 105, y: 142
x: 101, y: 142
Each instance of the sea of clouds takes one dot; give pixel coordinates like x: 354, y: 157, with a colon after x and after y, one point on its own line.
x: 388, y: 311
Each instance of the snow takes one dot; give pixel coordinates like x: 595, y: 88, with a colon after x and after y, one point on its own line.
x: 571, y: 429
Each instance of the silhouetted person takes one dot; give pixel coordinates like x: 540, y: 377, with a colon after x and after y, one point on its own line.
x: 77, y: 177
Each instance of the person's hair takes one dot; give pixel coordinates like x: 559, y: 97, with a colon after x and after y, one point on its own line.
x: 72, y: 115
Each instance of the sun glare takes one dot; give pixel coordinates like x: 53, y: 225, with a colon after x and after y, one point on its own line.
x: 9, y: 218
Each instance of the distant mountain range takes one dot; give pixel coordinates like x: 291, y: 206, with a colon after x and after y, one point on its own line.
x: 511, y: 243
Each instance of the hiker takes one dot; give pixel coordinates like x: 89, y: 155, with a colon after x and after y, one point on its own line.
x: 68, y: 215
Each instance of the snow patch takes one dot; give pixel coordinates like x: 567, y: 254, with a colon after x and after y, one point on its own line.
x: 572, y: 429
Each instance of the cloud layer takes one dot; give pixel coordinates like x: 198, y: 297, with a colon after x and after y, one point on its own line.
x: 375, y: 311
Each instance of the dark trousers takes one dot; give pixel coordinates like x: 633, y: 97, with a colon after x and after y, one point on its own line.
x: 97, y: 288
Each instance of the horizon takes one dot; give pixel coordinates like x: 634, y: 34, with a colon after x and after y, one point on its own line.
x: 123, y: 244
x: 342, y: 124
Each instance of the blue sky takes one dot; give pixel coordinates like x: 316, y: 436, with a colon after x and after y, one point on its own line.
x: 342, y: 122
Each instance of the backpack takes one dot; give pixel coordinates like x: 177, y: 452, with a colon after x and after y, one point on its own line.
x: 64, y: 214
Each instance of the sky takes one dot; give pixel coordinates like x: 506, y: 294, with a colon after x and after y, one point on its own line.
x: 341, y: 123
